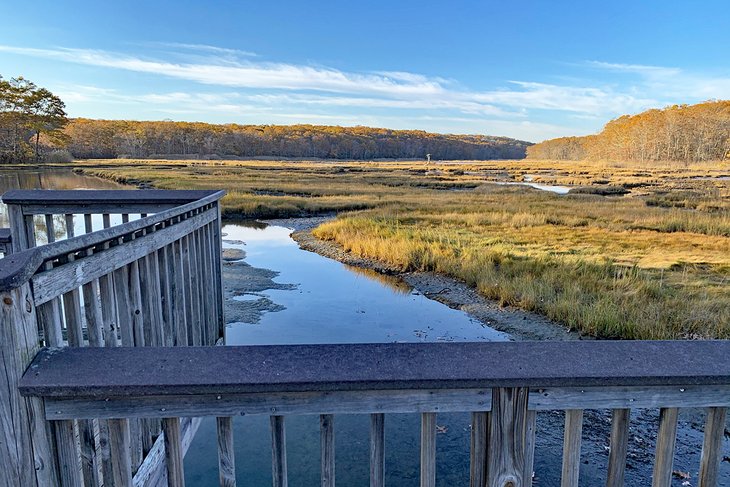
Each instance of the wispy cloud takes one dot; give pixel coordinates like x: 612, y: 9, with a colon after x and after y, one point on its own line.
x: 240, y: 85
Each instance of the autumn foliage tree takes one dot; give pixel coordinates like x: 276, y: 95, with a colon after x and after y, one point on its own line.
x: 31, y: 119
x: 167, y: 139
x: 684, y: 133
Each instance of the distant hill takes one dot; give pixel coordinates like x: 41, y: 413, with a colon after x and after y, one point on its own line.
x: 685, y: 133
x: 119, y: 138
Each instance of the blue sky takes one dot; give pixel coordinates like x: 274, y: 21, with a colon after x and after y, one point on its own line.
x: 525, y: 69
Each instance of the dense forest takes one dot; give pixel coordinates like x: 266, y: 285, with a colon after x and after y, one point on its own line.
x: 119, y: 138
x: 686, y: 133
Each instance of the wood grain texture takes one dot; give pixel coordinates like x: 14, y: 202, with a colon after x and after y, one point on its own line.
x: 278, y: 452
x: 63, y: 278
x: 712, y: 447
x: 507, y: 436
x: 478, y: 449
x: 571, y: 447
x: 173, y: 452
x: 664, y: 456
x: 618, y: 447
x: 68, y: 454
x: 119, y: 444
x: 530, y: 439
x: 226, y: 455
x: 21, y: 419
x: 249, y: 404
x: 428, y: 449
x: 377, y: 450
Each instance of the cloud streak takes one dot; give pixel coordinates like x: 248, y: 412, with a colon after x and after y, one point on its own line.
x: 240, y: 85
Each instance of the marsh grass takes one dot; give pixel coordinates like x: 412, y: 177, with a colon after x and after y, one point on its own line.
x: 653, y: 264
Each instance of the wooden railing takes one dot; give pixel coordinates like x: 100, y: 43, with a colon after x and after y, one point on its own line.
x: 503, y: 385
x: 154, y: 279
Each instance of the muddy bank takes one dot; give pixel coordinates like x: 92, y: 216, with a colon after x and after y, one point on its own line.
x: 242, y: 285
x: 522, y: 325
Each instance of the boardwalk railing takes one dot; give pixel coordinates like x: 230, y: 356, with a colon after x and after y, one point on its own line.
x: 75, y: 279
x: 110, y: 305
x: 503, y: 385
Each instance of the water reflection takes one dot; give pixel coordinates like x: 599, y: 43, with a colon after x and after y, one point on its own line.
x: 393, y: 283
x: 335, y: 303
x: 51, y: 179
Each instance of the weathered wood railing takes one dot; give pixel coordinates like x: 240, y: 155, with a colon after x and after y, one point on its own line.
x: 503, y: 385
x: 152, y: 280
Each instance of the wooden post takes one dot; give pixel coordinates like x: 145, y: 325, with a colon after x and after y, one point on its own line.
x: 619, y: 447
x: 119, y: 445
x: 173, y: 452
x: 377, y: 450
x: 478, y: 451
x: 68, y: 454
x: 428, y: 449
x: 507, y: 437
x: 712, y: 447
x: 278, y: 452
x: 218, y: 271
x: 226, y: 457
x: 18, y: 234
x: 664, y: 457
x: 327, y: 446
x: 26, y: 449
x: 530, y: 447
x: 571, y: 447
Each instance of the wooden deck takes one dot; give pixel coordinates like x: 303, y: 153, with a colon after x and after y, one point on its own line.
x: 108, y: 346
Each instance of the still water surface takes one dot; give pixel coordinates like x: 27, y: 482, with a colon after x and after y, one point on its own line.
x: 334, y: 303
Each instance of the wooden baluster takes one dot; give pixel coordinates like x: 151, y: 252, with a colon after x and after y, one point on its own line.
x: 50, y: 229
x: 530, y: 437
x: 202, y: 284
x: 278, y: 452
x: 666, y: 438
x: 377, y: 450
x: 72, y: 312
x: 194, y: 291
x: 49, y: 315
x: 19, y: 235
x: 166, y: 296
x: 226, y: 458
x: 180, y: 306
x: 507, y: 437
x: 327, y: 447
x: 478, y: 449
x: 211, y: 324
x: 173, y: 452
x: 571, y: 447
x: 68, y: 454
x: 30, y: 229
x: 619, y: 447
x: 712, y: 447
x: 218, y: 272
x: 119, y: 444
x: 109, y: 308
x: 187, y: 288
x: 428, y: 449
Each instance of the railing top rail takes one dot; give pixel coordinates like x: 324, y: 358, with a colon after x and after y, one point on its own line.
x: 104, y: 196
x: 74, y: 372
x: 19, y: 267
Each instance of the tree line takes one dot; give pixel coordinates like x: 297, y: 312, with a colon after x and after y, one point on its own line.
x: 683, y: 133
x: 166, y: 139
x: 31, y: 120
